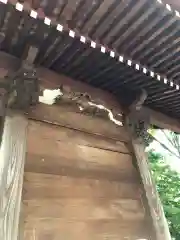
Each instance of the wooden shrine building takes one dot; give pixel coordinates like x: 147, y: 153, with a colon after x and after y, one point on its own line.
x: 81, y: 81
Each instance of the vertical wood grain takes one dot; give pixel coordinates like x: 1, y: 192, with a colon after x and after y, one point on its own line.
x: 12, y: 156
x: 156, y: 208
x: 76, y: 188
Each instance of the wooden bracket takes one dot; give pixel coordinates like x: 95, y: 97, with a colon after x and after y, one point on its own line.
x: 21, y: 89
x: 138, y: 103
x: 137, y: 121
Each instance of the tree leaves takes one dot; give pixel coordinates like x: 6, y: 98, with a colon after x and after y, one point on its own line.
x: 168, y: 186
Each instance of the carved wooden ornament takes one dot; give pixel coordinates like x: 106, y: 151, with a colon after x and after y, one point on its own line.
x: 83, y: 101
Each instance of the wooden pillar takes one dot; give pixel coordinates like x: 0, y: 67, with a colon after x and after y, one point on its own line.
x: 156, y: 209
x: 12, y: 158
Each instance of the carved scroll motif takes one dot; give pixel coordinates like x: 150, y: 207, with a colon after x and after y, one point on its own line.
x: 82, y: 101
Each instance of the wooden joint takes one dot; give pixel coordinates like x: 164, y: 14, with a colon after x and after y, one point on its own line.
x: 138, y: 121
x: 21, y: 88
x: 138, y: 103
x: 30, y: 54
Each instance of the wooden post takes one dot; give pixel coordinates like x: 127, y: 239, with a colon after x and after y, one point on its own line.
x: 156, y: 209
x: 12, y: 158
x: 137, y: 122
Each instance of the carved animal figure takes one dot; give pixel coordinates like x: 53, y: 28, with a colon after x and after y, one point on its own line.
x: 82, y: 100
x: 87, y: 105
x: 138, y: 103
x: 61, y: 95
x: 67, y: 95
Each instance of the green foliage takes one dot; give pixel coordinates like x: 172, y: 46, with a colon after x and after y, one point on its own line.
x: 168, y: 186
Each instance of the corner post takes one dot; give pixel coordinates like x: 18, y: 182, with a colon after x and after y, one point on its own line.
x: 12, y: 156
x: 137, y: 123
x: 154, y: 202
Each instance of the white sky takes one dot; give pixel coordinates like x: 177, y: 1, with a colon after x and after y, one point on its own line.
x: 173, y: 161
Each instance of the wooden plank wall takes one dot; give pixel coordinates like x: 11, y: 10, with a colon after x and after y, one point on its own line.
x: 81, y: 183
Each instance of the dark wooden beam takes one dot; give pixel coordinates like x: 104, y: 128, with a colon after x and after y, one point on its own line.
x: 49, y: 79
x: 163, y: 121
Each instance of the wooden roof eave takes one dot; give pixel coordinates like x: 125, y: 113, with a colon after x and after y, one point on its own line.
x: 65, y: 52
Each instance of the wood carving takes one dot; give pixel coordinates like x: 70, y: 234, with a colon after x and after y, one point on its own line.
x: 84, y: 102
x: 67, y: 96
x: 20, y: 89
x: 87, y: 104
x: 138, y: 121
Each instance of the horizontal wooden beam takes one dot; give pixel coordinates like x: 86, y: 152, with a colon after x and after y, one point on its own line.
x: 50, y: 79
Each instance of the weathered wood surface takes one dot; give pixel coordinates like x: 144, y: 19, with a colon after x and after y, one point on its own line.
x: 82, y: 209
x: 49, y: 155
x: 43, y: 166
x: 60, y: 115
x: 48, y: 186
x: 67, y: 135
x: 92, y: 217
x: 12, y: 158
x: 81, y: 185
x: 87, y: 230
x: 156, y: 209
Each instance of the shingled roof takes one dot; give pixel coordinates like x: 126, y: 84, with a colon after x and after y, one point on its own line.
x: 119, y: 46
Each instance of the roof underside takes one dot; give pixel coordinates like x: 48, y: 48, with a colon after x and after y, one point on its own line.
x: 142, y: 30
